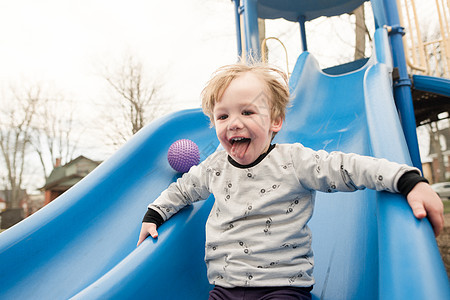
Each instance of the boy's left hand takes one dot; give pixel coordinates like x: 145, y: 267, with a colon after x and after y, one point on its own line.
x: 426, y: 203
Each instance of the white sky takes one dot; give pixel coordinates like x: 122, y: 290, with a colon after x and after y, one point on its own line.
x: 61, y: 43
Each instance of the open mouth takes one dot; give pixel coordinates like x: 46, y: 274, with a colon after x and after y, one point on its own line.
x: 239, y: 146
x: 239, y: 140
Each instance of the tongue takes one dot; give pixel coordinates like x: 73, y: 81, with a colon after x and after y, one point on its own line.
x: 239, y: 148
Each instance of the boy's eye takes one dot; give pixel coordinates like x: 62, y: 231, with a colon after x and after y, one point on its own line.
x: 247, y: 113
x: 222, y: 117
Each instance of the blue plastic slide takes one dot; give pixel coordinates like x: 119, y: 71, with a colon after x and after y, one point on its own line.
x: 368, y: 245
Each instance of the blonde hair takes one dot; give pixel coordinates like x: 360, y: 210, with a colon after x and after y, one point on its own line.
x: 275, y: 79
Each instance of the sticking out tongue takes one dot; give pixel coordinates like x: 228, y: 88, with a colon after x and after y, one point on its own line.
x: 239, y: 148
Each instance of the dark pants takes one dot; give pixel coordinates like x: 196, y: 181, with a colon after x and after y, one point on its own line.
x: 260, y: 293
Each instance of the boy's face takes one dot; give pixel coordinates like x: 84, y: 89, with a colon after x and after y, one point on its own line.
x: 242, y: 119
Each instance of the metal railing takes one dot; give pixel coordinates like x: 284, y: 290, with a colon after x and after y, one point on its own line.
x: 264, y: 53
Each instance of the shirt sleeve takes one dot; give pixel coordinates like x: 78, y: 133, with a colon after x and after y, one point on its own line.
x: 193, y: 186
x: 408, y: 181
x: 152, y: 216
x: 338, y: 171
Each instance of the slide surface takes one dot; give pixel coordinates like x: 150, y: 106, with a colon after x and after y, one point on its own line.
x: 367, y: 245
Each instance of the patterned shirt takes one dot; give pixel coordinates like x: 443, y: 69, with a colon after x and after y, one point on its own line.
x: 257, y: 233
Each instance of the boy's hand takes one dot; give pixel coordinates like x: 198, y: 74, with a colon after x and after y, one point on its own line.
x: 146, y: 230
x: 425, y: 202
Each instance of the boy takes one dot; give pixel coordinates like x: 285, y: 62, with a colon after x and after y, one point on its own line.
x: 257, y: 239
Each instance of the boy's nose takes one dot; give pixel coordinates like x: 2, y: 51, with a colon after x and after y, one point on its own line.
x: 235, y: 123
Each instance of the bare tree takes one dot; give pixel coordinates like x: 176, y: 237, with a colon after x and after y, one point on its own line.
x: 136, y: 98
x: 15, y: 132
x: 32, y: 123
x: 437, y: 66
x: 54, y: 137
x: 360, y: 32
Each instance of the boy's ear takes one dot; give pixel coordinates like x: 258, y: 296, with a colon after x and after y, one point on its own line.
x: 277, y: 124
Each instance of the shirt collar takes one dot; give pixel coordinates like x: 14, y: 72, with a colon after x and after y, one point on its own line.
x: 257, y: 161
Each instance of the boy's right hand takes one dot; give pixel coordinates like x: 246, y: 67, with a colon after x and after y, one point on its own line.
x: 146, y: 230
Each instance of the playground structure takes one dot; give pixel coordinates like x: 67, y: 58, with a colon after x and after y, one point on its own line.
x: 430, y: 57
x: 427, y: 56
x: 368, y: 245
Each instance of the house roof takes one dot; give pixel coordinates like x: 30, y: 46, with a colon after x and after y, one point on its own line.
x: 58, y: 175
x: 64, y: 183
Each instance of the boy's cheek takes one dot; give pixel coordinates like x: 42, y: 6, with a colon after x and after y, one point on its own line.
x: 221, y: 139
x: 220, y: 132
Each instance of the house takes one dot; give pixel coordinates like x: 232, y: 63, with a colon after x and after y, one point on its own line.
x: 64, y: 177
x: 444, y: 139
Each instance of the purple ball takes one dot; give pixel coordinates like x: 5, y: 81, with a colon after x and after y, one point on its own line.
x: 182, y: 155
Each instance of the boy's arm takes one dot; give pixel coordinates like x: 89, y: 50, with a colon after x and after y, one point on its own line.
x: 357, y: 172
x: 191, y: 187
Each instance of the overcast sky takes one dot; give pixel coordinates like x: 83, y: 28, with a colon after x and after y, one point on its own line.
x: 61, y: 43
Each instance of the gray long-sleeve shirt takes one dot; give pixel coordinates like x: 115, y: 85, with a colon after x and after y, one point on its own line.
x: 257, y: 233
